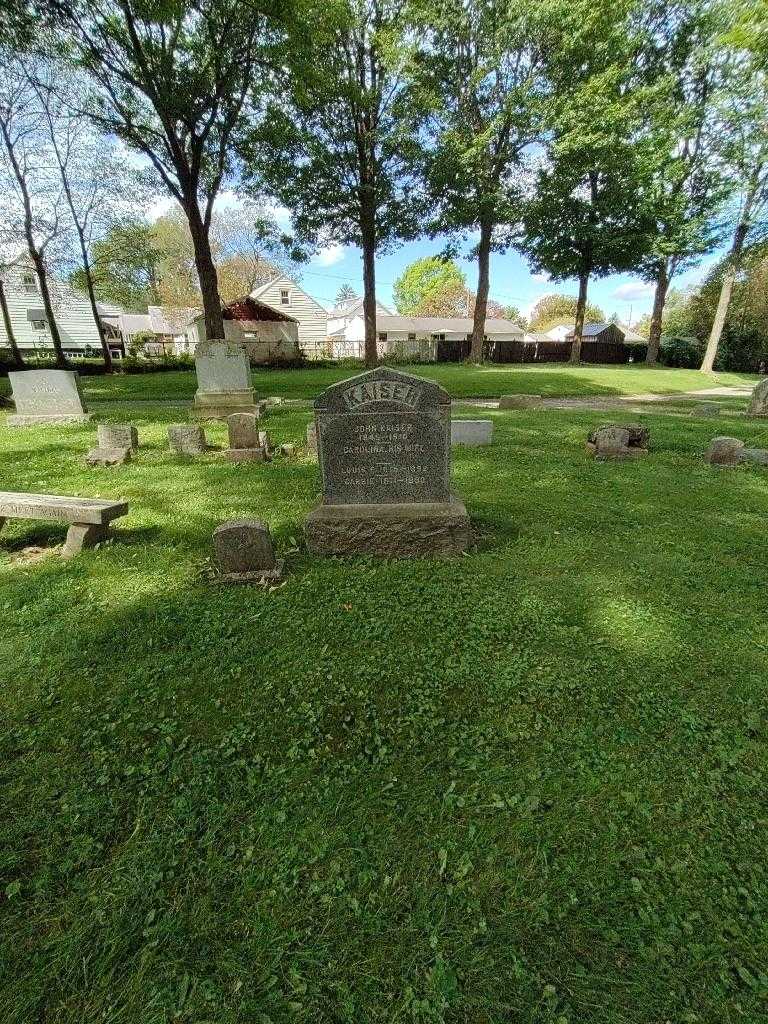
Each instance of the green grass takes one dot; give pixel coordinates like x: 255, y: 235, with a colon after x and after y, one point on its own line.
x: 550, y: 380
x: 520, y: 787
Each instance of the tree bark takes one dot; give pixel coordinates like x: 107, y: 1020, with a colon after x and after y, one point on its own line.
x: 726, y: 290
x: 483, y: 284
x: 578, y: 327
x: 659, y: 298
x: 368, y: 239
x: 206, y: 273
x: 106, y: 354
x: 15, y: 351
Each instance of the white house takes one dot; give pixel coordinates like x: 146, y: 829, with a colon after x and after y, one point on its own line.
x: 424, y: 337
x: 264, y: 332
x: 285, y: 295
x: 342, y: 315
x: 74, y: 317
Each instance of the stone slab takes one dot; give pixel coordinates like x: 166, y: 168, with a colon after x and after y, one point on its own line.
x: 389, y: 530
x: 246, y: 455
x: 519, y: 401
x: 243, y: 430
x: 223, y: 381
x: 724, y: 451
x: 706, y: 409
x: 244, y: 546
x: 108, y: 456
x: 758, y: 403
x: 756, y: 455
x: 185, y: 439
x: 46, y: 396
x: 471, y: 433
x: 117, y: 435
x: 60, y: 508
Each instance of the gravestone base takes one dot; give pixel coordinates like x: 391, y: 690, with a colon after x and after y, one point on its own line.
x: 220, y: 405
x: 246, y: 455
x: 48, y: 421
x: 389, y: 531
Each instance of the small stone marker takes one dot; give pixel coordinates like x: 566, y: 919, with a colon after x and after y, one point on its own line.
x: 758, y: 455
x: 243, y: 428
x: 108, y: 456
x: 384, y: 450
x: 187, y: 440
x: 724, y: 451
x: 46, y: 398
x: 223, y: 381
x: 287, y: 450
x: 245, y: 553
x: 706, y: 409
x: 758, y: 405
x: 312, y: 437
x: 118, y: 435
x: 472, y: 433
x: 619, y: 441
x: 519, y: 401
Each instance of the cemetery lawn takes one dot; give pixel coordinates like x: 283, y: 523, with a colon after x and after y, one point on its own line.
x: 553, y: 380
x: 527, y: 786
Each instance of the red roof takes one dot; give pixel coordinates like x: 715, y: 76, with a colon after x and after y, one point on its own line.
x: 251, y: 309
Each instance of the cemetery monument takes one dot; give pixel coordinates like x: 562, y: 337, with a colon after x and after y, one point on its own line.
x: 223, y: 381
x: 46, y: 398
x: 384, y: 442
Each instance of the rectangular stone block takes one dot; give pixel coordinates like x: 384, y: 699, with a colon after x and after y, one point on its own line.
x: 117, y: 435
x: 472, y: 433
x: 243, y: 428
x: 46, y: 396
x: 60, y: 508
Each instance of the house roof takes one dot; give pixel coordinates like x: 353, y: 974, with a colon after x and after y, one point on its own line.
x: 248, y: 308
x: 257, y: 293
x: 632, y: 337
x: 438, y: 325
x: 351, y: 306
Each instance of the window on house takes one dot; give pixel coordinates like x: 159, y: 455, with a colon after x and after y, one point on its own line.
x: 285, y: 297
x: 29, y: 281
x: 411, y: 337
x: 38, y: 325
x: 383, y: 336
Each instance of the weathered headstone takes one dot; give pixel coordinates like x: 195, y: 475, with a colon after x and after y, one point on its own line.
x: 384, y: 450
x: 758, y: 405
x: 223, y: 381
x: 757, y: 455
x: 118, y: 435
x: 185, y: 439
x: 245, y: 553
x: 243, y: 428
x: 724, y: 451
x: 46, y: 398
x: 519, y: 401
x: 113, y: 456
x: 472, y: 433
x: 619, y: 441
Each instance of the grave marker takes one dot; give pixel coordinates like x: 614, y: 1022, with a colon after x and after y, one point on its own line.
x: 46, y: 398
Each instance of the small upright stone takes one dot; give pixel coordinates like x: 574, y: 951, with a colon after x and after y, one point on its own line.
x: 519, y: 401
x: 471, y: 433
x: 706, y: 409
x: 724, y: 451
x: 619, y: 441
x: 46, y: 398
x: 758, y: 405
x: 118, y: 435
x: 243, y: 430
x: 287, y: 450
x: 187, y: 439
x: 245, y: 553
x: 112, y: 456
x: 757, y: 455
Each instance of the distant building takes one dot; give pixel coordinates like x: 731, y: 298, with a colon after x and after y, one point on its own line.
x: 427, y: 338
x: 285, y: 295
x: 161, y: 331
x: 343, y: 314
x: 72, y: 311
x: 266, y: 333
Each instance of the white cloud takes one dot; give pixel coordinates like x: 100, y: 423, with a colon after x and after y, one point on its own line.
x: 540, y: 278
x: 328, y: 256
x: 634, y: 291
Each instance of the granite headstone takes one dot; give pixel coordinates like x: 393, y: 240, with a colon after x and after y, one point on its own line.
x: 758, y: 404
x: 46, y: 398
x: 223, y: 381
x: 384, y: 450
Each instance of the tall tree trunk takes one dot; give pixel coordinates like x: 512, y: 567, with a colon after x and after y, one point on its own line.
x: 483, y: 279
x: 368, y: 239
x: 106, y: 354
x: 659, y: 298
x: 726, y: 289
x: 206, y: 272
x: 15, y: 351
x: 578, y: 327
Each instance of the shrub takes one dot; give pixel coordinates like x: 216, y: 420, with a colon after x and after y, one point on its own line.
x: 681, y: 352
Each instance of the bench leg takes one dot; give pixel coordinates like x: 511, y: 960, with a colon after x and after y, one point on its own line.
x: 83, y: 536
x: 2, y: 522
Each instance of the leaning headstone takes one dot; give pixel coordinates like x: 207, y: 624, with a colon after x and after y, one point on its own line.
x: 223, y: 381
x: 118, y: 435
x: 472, y: 433
x: 186, y: 440
x: 706, y: 409
x: 46, y: 398
x: 724, y: 451
x: 112, y: 456
x: 519, y: 401
x: 312, y: 437
x: 758, y: 405
x: 619, y: 441
x: 245, y: 553
x: 384, y: 449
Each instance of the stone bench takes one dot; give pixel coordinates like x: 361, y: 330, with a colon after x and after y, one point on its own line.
x: 89, y: 518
